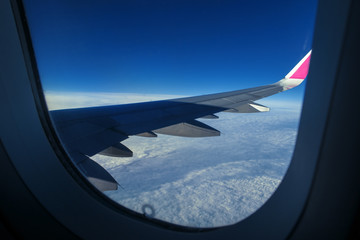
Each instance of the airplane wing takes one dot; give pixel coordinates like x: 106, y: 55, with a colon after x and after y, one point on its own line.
x: 100, y: 130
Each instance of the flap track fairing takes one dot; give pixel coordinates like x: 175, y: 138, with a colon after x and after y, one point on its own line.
x: 117, y: 150
x: 189, y: 129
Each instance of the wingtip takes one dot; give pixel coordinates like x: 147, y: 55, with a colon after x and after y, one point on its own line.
x: 301, y: 69
x: 297, y: 75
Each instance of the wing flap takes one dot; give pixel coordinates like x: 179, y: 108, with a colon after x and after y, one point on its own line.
x: 97, y: 175
x: 91, y: 145
x: 83, y: 129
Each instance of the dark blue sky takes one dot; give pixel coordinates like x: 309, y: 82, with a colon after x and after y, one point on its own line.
x: 183, y: 47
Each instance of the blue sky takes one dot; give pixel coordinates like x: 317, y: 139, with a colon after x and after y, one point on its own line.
x: 177, y: 47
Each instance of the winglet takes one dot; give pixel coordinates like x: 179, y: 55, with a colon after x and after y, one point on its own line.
x: 297, y: 75
x: 301, y: 69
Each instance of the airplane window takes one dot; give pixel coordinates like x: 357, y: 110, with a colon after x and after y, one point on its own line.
x: 164, y: 105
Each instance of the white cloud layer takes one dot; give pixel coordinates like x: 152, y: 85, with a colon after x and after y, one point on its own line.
x: 200, y: 182
x: 207, y: 182
x: 62, y: 100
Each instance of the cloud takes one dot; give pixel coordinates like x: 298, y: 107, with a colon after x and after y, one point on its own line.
x: 200, y: 182
x: 63, y: 100
x: 207, y: 182
x: 214, y: 196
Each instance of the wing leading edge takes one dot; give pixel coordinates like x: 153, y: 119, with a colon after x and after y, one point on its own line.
x: 89, y: 131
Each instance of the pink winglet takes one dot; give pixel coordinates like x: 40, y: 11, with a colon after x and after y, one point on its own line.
x: 302, y: 71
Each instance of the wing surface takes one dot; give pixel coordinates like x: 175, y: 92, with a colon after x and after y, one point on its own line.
x: 89, y: 131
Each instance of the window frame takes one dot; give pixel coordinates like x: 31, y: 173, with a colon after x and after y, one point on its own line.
x: 35, y: 154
